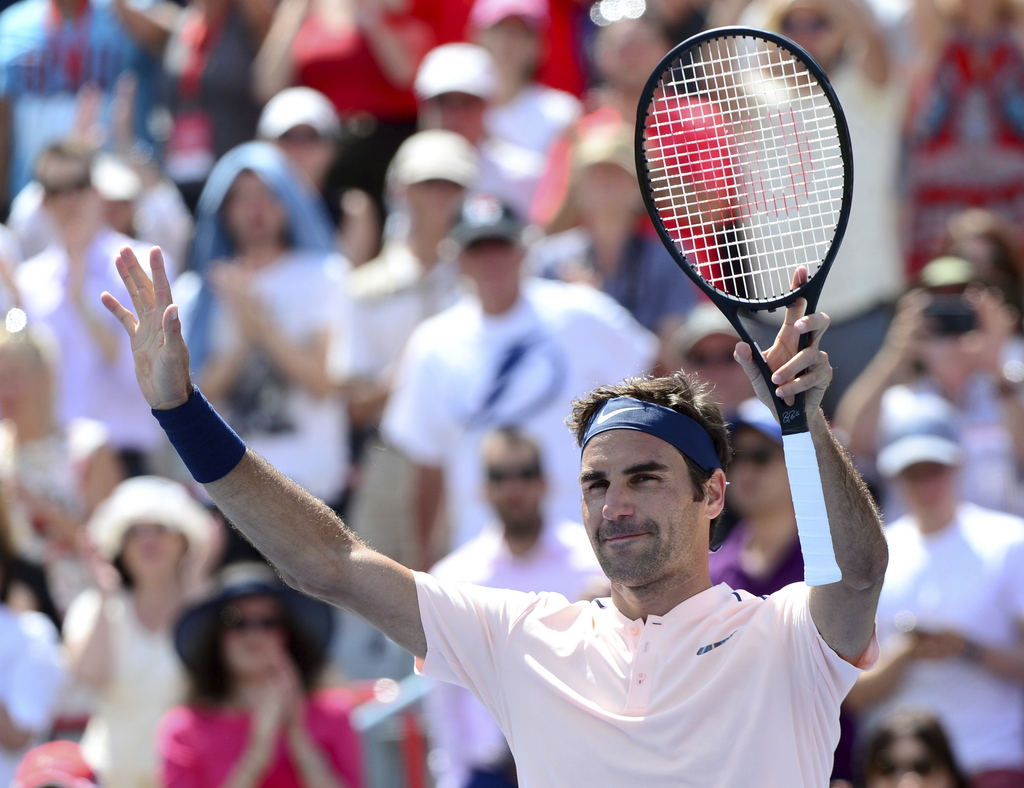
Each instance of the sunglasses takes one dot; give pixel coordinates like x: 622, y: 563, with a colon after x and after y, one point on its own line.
x: 888, y: 767
x: 269, y: 624
x: 499, y: 475
x: 760, y: 457
x: 706, y: 360
x: 792, y: 26
x: 72, y: 187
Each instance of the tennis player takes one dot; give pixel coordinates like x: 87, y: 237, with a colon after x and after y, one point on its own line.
x: 669, y: 682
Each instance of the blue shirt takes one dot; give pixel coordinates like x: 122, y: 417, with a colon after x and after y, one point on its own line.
x: 46, y: 60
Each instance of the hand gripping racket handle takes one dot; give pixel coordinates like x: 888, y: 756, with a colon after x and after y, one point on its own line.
x: 820, y: 567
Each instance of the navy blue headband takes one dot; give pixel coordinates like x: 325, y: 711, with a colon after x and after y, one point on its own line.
x: 626, y: 413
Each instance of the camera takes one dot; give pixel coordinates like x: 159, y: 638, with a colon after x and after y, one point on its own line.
x: 951, y: 315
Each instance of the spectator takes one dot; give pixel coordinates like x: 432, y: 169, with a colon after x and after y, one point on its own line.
x: 993, y: 247
x: 524, y: 112
x: 951, y: 612
x: 625, y: 53
x: 758, y: 546
x: 456, y: 85
x: 704, y: 345
x: 56, y: 764
x: 207, y: 98
x: 362, y: 55
x: 413, y: 279
x: 513, y: 352
x: 761, y: 554
x: 972, y: 358
x: 303, y: 123
x: 964, y: 139
x: 911, y: 749
x: 31, y: 674
x: 49, y: 52
x: 611, y: 245
x: 519, y: 549
x: 58, y: 289
x: 56, y: 473
x: 848, y: 42
x: 150, y: 539
x: 267, y: 293
x: 253, y: 651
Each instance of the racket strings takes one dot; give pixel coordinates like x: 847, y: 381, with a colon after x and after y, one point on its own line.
x: 745, y: 165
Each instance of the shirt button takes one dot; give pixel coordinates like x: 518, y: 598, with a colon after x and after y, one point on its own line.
x: 640, y: 678
x: 634, y: 629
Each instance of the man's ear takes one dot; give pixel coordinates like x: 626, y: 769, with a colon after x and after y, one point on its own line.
x: 714, y: 493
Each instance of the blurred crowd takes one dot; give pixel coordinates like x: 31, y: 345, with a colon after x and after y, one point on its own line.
x: 404, y: 235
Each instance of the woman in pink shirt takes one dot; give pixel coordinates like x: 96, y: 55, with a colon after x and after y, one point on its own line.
x: 253, y: 652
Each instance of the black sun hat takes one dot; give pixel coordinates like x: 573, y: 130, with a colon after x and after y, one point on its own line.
x: 312, y: 618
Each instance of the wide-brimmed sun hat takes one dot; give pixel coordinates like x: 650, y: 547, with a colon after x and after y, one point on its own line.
x: 310, y: 617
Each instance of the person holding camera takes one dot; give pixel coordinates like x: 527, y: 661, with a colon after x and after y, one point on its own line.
x: 950, y: 619
x: 956, y: 337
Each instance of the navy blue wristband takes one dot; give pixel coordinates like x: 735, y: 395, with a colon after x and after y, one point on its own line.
x: 206, y: 444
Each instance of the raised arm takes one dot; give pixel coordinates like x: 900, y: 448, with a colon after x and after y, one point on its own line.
x: 308, y: 544
x: 843, y: 612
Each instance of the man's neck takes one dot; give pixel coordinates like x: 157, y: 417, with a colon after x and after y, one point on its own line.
x: 423, y: 240
x: 932, y: 521
x: 660, y: 598
x: 498, y: 300
x: 521, y: 540
x: 258, y: 256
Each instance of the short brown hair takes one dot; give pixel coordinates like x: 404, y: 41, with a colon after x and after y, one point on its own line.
x: 683, y: 393
x: 65, y: 150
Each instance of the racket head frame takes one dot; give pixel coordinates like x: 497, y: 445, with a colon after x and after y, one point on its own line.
x: 792, y: 417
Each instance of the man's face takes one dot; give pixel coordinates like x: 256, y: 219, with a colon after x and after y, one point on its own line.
x: 462, y: 113
x: 927, y: 486
x: 491, y: 261
x: 68, y: 194
x: 639, y: 510
x: 711, y: 358
x: 757, y: 474
x: 515, y: 486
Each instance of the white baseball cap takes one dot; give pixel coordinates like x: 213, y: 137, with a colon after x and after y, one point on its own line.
x: 435, y: 154
x: 456, y: 68
x: 298, y: 107
x: 917, y: 427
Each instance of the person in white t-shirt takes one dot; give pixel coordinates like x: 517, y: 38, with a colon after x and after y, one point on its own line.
x: 518, y: 549
x: 951, y: 613
x: 514, y: 351
x: 266, y: 297
x: 523, y: 112
x: 668, y: 681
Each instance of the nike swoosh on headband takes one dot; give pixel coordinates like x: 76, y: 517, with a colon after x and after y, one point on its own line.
x: 603, y: 417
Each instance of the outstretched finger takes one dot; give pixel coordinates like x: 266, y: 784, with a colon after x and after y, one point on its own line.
x: 124, y: 316
x: 142, y: 297
x: 161, y: 285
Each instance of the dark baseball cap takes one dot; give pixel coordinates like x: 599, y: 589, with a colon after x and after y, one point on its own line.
x: 484, y: 217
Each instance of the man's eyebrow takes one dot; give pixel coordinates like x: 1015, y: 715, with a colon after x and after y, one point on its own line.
x: 645, y: 467
x: 591, y: 474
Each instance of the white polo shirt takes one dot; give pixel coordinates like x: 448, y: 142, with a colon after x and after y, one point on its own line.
x: 727, y: 689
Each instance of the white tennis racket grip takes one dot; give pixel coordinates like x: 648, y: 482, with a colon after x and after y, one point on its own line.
x: 820, y: 567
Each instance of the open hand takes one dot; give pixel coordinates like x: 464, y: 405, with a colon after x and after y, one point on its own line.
x: 159, y: 352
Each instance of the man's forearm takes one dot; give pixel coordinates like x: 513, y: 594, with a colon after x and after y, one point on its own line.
x: 856, y: 527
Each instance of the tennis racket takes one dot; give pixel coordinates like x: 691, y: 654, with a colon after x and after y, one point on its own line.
x: 746, y: 169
